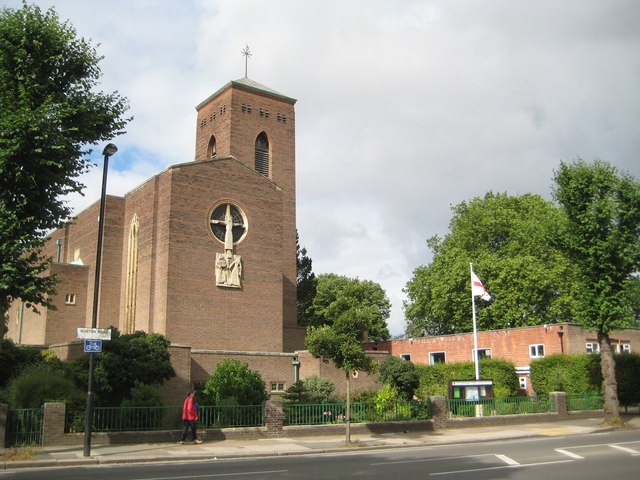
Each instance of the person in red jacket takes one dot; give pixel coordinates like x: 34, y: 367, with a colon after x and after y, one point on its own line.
x: 189, y: 417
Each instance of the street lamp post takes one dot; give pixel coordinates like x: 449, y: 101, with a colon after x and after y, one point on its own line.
x: 109, y: 150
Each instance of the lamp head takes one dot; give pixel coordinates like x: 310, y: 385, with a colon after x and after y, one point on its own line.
x: 109, y: 150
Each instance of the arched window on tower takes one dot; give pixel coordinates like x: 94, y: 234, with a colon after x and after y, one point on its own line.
x: 211, y: 149
x: 262, y: 154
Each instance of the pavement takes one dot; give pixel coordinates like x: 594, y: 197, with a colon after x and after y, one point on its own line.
x: 226, y: 449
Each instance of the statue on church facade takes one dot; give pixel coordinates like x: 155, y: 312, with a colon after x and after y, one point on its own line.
x: 228, y: 265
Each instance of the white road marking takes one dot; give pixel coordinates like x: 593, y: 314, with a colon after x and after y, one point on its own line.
x: 507, y: 460
x: 501, y: 467
x: 213, y: 475
x: 569, y: 454
x: 625, y: 449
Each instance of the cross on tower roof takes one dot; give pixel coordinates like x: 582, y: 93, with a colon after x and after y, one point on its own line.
x: 246, y: 54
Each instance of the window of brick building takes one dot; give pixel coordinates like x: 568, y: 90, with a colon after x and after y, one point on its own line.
x: 262, y: 154
x: 70, y: 299
x: 621, y: 348
x: 483, y: 353
x: 406, y: 356
x: 536, y: 351
x: 523, y: 382
x: 211, y: 148
x: 277, y: 387
x: 436, y: 357
x: 593, y: 347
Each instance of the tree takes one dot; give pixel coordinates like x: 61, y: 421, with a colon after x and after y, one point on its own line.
x: 602, y: 238
x: 339, y: 340
x: 305, y: 283
x: 361, y: 304
x: 512, y: 243
x: 401, y: 375
x: 234, y: 383
x: 126, y: 361
x: 51, y: 112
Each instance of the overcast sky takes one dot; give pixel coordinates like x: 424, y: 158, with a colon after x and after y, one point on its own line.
x: 404, y: 107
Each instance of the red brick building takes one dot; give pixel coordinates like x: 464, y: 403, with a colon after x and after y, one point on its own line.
x: 203, y: 252
x: 518, y: 345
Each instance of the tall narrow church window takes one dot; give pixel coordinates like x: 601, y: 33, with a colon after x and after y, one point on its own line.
x: 262, y: 154
x: 211, y: 149
x: 132, y: 277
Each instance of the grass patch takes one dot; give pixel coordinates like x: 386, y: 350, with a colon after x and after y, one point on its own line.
x: 16, y: 454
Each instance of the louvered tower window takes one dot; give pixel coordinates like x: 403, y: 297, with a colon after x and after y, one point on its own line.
x: 211, y: 148
x: 262, y: 154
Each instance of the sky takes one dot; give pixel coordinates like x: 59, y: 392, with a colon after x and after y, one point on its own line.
x: 405, y: 108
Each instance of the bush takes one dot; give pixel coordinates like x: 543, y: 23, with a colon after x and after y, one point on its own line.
x: 401, y: 375
x: 14, y: 359
x: 434, y: 379
x: 41, y: 385
x: 320, y: 389
x: 233, y: 383
x: 573, y: 374
x: 142, y: 395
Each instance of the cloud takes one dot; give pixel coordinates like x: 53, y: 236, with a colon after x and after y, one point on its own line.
x: 404, y: 107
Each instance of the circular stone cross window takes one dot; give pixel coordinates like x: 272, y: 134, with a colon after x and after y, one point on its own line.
x: 228, y: 224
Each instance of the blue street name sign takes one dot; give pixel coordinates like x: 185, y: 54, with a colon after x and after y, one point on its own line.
x: 92, y: 346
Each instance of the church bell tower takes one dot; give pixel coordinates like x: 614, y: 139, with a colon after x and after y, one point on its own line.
x: 255, y: 125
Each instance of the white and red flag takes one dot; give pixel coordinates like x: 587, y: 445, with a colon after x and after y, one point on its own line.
x: 477, y: 289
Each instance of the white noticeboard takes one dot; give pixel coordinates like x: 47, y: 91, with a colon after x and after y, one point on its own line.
x: 94, y: 333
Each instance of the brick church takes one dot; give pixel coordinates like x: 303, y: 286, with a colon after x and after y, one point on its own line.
x: 203, y: 252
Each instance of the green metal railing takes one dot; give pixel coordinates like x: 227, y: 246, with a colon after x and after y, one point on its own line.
x: 135, y: 419
x: 24, y: 427
x: 487, y: 407
x: 361, y: 412
x: 588, y: 401
x: 231, y: 416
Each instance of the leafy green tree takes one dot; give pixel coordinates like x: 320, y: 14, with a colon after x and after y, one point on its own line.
x: 401, y: 375
x: 126, y: 361
x: 602, y: 238
x: 234, y: 383
x: 51, y: 112
x: 305, y: 283
x: 339, y: 340
x: 361, y: 304
x: 512, y: 243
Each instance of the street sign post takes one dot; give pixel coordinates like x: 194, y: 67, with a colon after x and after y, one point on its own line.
x: 94, y: 333
x: 92, y: 346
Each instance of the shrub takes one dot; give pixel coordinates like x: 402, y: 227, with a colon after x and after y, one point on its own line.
x: 401, y: 375
x: 573, y: 374
x: 41, y: 385
x: 142, y: 395
x: 234, y: 383
x: 434, y: 379
x: 320, y: 389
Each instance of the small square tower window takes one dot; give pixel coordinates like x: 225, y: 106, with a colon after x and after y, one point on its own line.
x: 70, y: 299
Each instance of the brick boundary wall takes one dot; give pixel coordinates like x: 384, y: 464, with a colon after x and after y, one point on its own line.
x: 54, y: 421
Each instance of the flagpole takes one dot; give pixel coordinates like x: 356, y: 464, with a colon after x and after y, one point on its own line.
x: 475, y: 329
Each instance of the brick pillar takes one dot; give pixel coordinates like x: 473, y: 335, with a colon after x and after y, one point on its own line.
x: 274, y: 418
x: 4, y: 410
x: 53, y: 423
x: 560, y: 402
x: 439, y: 413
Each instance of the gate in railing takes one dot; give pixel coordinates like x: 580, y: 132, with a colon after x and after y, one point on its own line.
x: 24, y: 427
